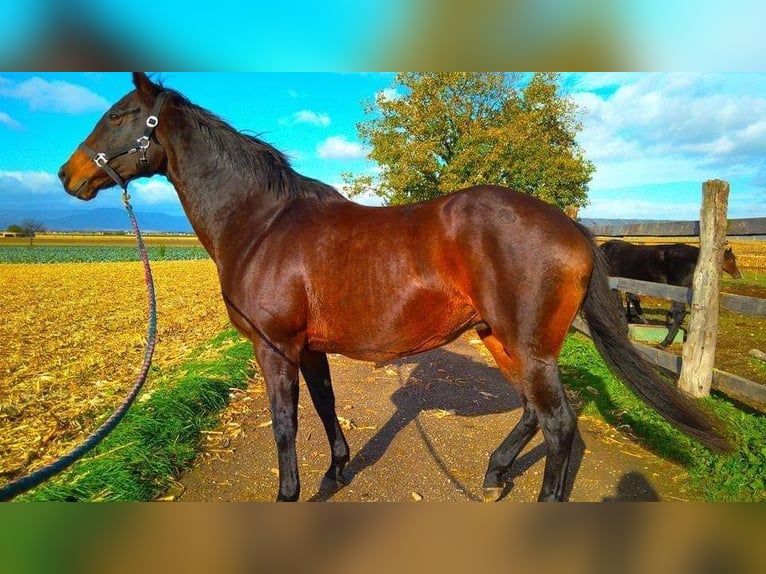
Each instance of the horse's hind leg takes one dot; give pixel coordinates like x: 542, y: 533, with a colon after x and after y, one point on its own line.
x: 501, y: 460
x: 503, y: 457
x: 558, y: 423
x: 316, y: 372
x: 545, y: 407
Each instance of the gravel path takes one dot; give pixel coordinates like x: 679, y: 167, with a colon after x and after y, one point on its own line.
x: 420, y: 429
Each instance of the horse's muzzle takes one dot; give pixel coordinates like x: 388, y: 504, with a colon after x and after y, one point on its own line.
x: 80, y: 189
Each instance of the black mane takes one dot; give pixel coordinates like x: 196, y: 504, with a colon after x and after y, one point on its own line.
x: 270, y: 169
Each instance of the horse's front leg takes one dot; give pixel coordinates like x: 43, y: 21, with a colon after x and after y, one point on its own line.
x: 280, y: 372
x: 674, y: 319
x: 634, y: 301
x: 316, y: 371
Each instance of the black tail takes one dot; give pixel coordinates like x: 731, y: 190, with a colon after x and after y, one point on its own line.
x: 609, y: 333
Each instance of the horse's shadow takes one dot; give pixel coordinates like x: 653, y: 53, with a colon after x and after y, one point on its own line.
x: 455, y: 384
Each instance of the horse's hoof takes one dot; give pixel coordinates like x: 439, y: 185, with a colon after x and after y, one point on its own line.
x: 332, y: 484
x: 493, y: 493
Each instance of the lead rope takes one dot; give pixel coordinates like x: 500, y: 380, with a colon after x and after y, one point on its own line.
x: 16, y: 487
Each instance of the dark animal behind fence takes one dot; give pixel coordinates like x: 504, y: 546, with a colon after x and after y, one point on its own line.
x: 671, y: 264
x: 305, y: 272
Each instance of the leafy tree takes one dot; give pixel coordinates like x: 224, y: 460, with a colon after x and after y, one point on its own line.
x: 15, y: 229
x: 455, y: 129
x: 30, y: 228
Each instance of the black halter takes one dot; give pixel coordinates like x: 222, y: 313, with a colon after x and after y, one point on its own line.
x: 102, y: 159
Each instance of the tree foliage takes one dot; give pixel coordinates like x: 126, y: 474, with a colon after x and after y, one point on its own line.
x: 455, y: 129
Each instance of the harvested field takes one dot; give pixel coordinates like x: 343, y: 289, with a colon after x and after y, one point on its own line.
x: 73, y: 341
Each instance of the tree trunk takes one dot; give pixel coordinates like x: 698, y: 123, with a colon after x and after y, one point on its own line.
x: 699, y: 349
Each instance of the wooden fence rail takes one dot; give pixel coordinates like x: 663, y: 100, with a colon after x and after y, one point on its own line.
x: 753, y: 306
x: 735, y: 227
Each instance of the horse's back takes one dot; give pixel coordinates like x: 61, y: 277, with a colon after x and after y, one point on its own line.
x: 642, y: 262
x: 671, y: 263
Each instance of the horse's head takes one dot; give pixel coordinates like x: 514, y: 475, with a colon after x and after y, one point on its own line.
x: 122, y: 146
x: 730, y: 264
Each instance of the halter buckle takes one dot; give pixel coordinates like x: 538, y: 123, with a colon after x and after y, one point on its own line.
x: 101, y: 159
x: 143, y: 143
x: 152, y: 121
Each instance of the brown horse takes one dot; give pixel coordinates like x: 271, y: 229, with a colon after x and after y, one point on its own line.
x: 305, y: 272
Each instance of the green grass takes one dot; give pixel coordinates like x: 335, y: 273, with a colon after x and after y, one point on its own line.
x: 736, y: 477
x: 159, y: 437
x: 750, y: 278
x: 93, y: 253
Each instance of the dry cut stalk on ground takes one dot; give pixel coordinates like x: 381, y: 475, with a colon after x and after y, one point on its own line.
x: 73, y: 341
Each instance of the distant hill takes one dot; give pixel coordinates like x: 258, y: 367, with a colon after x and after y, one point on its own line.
x: 99, y: 219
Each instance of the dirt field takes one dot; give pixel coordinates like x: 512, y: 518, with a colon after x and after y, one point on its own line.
x: 73, y: 340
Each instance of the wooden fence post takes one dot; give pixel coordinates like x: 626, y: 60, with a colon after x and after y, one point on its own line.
x: 699, y: 350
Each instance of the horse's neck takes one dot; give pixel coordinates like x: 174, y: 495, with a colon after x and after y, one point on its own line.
x: 219, y: 205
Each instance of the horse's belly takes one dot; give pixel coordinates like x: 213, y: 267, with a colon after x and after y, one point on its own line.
x: 383, y: 334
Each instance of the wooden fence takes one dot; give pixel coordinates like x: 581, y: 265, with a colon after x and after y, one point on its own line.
x: 735, y: 228
x: 738, y: 388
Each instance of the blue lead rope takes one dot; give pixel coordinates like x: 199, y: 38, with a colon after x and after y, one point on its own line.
x: 30, y: 481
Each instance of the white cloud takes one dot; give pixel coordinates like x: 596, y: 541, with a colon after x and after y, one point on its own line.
x: 671, y: 127
x: 57, y: 96
x: 154, y: 191
x: 338, y: 147
x: 309, y: 117
x: 7, y: 120
x: 35, y: 181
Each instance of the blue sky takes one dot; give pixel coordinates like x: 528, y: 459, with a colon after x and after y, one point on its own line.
x: 654, y: 137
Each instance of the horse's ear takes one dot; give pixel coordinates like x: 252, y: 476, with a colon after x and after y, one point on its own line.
x: 145, y: 87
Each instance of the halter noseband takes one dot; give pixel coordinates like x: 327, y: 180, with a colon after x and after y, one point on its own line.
x: 102, y: 159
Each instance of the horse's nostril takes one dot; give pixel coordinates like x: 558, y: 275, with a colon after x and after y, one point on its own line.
x: 62, y: 173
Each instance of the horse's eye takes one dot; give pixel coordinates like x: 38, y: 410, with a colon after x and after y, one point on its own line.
x: 114, y: 116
